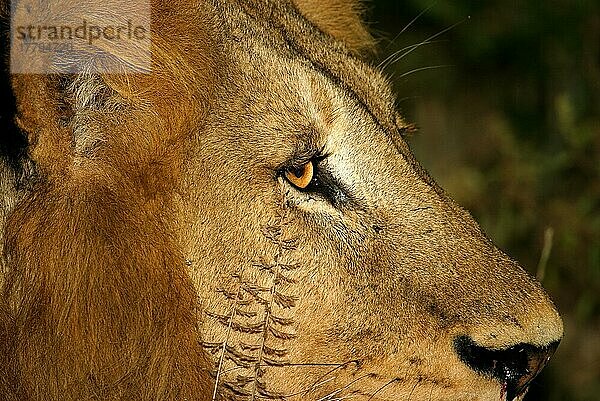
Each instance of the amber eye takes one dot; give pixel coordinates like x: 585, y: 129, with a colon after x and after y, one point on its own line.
x: 301, y: 176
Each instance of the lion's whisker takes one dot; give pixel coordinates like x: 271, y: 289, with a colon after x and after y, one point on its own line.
x: 413, y: 389
x: 398, y: 53
x: 319, y: 382
x: 334, y: 393
x: 222, y: 356
x: 347, y: 397
x: 431, y: 67
x: 417, y: 45
x: 431, y: 392
x: 328, y: 373
x: 415, y: 19
x: 383, y: 387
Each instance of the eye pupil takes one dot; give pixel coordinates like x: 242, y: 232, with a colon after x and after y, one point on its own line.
x: 299, y: 171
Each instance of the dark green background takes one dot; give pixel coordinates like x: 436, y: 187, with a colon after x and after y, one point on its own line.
x: 509, y: 125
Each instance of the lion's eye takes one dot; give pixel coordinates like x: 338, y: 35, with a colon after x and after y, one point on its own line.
x: 301, y: 176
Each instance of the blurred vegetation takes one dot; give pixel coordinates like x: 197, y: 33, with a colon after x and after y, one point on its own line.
x: 508, y: 107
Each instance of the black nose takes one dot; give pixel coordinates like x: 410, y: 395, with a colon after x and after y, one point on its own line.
x: 513, y: 367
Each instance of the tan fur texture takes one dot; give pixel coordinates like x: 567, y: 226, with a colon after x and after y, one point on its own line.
x: 340, y: 19
x: 159, y: 253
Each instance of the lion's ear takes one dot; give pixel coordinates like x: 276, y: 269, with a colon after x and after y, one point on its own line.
x: 114, y: 93
x: 341, y: 19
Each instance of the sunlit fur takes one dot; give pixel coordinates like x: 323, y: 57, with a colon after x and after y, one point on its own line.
x: 157, y: 251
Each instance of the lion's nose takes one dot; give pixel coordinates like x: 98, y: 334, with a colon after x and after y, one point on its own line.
x: 513, y: 367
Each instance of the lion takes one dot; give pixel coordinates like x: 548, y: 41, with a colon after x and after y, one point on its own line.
x: 244, y: 221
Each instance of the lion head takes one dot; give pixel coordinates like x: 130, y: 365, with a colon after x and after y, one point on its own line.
x: 246, y: 221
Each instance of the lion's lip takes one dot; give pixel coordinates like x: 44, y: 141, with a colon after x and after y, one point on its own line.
x: 517, y: 386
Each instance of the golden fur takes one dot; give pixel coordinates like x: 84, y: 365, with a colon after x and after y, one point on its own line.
x: 158, y: 253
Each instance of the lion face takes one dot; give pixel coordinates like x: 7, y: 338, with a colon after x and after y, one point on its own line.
x: 327, y: 264
x: 338, y: 267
